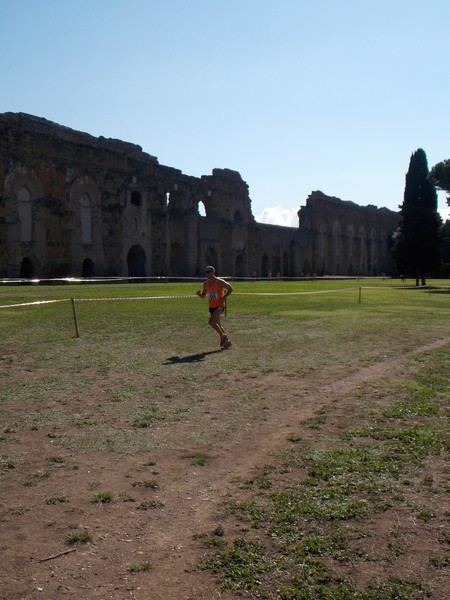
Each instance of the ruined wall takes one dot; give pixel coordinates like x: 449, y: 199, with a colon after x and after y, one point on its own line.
x: 75, y: 205
x: 343, y: 238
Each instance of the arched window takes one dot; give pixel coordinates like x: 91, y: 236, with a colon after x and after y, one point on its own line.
x: 136, y: 198
x: 201, y: 209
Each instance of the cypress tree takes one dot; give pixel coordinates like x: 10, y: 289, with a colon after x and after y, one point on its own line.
x: 417, y: 243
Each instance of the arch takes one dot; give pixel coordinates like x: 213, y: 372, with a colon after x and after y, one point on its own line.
x: 372, y: 266
x: 24, y: 209
x: 137, y: 262
x: 136, y: 198
x: 176, y: 259
x: 264, y: 265
x: 84, y: 196
x: 26, y: 269
x: 87, y: 269
x: 202, y: 208
x: 336, y: 249
x: 85, y: 219
x: 276, y: 260
x: 362, y: 251
x: 238, y: 218
x: 240, y: 265
x: 321, y: 242
x: 285, y: 266
x: 211, y: 258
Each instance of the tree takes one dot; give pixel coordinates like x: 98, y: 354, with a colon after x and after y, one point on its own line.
x: 440, y: 176
x: 417, y: 239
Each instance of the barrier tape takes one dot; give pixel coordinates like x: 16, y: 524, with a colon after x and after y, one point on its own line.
x: 175, y: 297
x: 31, y: 303
x: 135, y: 298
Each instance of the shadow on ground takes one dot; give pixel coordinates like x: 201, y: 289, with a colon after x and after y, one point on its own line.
x: 173, y: 360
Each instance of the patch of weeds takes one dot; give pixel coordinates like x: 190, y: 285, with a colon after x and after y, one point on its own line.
x: 35, y: 477
x: 103, y: 498
x: 78, y: 537
x: 324, y: 503
x: 440, y: 562
x: 394, y: 587
x: 126, y: 498
x: 57, y: 459
x: 8, y: 463
x: 242, y: 565
x: 89, y: 421
x: 20, y: 510
x: 150, y: 505
x: 147, y: 483
x: 295, y: 438
x: 249, y: 510
x: 139, y: 567
x: 409, y: 408
x: 396, y: 549
x: 146, y: 414
x: 57, y: 500
x: 428, y: 481
x: 408, y: 444
x: 426, y: 515
x: 119, y: 396
x: 216, y: 542
x: 315, y: 423
x: 200, y: 459
x: 42, y: 474
x: 262, y: 482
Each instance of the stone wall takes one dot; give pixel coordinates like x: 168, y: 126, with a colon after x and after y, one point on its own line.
x: 75, y: 205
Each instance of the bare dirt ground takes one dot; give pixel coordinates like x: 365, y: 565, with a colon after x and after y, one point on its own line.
x: 35, y: 561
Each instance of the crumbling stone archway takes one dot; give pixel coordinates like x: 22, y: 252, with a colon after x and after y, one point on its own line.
x: 137, y: 262
x: 87, y: 269
x: 26, y: 269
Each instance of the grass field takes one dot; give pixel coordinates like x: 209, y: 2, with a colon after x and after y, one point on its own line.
x: 308, y: 461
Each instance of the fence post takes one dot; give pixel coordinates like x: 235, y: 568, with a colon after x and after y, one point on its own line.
x: 75, y: 318
x: 360, y: 288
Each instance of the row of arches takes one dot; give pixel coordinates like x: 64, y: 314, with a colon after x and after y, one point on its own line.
x: 348, y: 250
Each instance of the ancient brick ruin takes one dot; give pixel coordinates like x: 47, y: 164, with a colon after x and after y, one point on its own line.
x: 72, y: 205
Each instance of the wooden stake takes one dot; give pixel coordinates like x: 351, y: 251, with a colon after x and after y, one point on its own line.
x: 75, y: 318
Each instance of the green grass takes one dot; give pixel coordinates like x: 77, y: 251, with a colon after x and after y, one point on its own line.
x: 143, y: 373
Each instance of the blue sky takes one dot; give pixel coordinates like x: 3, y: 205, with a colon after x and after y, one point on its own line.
x: 296, y: 95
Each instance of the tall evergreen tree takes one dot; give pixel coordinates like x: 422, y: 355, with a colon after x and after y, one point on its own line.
x: 417, y: 241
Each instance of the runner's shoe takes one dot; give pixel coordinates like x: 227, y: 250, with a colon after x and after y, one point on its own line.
x: 226, y: 344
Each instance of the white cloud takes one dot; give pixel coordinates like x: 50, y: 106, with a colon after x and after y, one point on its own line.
x: 277, y: 215
x: 445, y: 213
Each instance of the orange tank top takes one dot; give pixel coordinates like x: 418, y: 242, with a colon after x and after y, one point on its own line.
x: 214, y: 293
